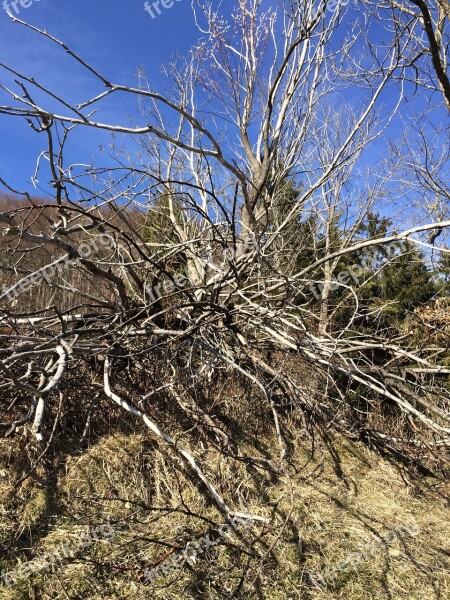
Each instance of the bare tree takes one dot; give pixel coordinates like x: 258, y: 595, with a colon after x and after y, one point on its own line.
x: 426, y: 23
x: 192, y: 272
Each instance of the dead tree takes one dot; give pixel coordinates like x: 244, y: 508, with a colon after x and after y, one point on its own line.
x: 203, y: 286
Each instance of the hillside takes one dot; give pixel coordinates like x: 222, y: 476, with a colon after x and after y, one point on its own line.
x: 343, y: 501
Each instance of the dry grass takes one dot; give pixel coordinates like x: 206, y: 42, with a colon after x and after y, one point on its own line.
x: 327, y: 507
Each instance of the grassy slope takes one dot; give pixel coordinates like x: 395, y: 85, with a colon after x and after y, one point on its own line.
x: 332, y: 506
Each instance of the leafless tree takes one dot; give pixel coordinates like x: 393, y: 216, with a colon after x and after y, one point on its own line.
x: 191, y: 272
x: 426, y: 23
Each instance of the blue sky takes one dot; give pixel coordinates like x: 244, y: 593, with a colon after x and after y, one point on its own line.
x: 115, y: 36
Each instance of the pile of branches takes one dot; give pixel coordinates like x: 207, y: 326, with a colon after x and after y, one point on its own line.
x: 192, y: 263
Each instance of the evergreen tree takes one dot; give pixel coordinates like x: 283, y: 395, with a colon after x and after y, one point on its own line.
x: 396, y: 278
x: 443, y: 273
x: 407, y: 281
